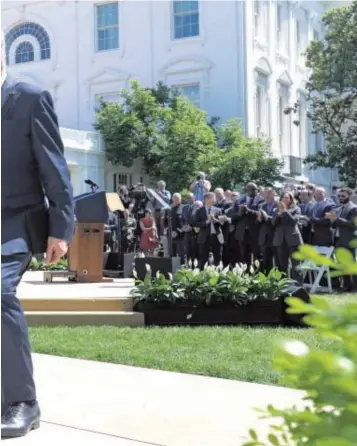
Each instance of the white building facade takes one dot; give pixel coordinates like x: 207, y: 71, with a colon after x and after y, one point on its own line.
x: 231, y: 58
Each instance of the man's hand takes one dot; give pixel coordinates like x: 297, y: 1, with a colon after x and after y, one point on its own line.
x: 56, y: 249
x: 331, y: 216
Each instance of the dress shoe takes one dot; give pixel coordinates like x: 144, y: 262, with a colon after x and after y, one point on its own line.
x: 19, y: 419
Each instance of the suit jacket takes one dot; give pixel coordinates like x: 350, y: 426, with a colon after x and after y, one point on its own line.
x: 247, y: 219
x: 306, y: 210
x: 36, y: 192
x: 345, y: 224
x: 177, y: 220
x: 266, y: 230
x: 287, y: 228
x: 224, y: 204
x: 322, y: 231
x: 200, y: 222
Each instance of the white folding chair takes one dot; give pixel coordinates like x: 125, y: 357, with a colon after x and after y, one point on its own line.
x: 315, y: 273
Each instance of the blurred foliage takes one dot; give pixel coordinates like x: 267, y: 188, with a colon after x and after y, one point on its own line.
x: 328, y: 414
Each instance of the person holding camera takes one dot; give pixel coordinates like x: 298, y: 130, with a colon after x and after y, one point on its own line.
x: 200, y: 187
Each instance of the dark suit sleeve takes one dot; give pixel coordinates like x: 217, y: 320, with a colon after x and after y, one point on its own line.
x: 350, y: 223
x: 290, y: 219
x: 53, y: 169
x: 200, y: 221
x: 323, y: 221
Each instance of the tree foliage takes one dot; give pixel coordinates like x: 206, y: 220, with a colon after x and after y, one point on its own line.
x: 332, y: 93
x: 158, y: 126
x: 241, y: 159
x: 175, y: 140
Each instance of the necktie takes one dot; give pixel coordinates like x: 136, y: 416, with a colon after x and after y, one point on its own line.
x: 212, y: 228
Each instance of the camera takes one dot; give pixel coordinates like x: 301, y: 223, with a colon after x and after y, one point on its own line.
x: 198, y: 178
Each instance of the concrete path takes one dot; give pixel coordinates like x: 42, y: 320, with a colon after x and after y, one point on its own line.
x: 106, y: 404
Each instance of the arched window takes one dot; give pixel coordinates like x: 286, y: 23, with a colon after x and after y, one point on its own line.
x: 31, y: 29
x: 24, y: 53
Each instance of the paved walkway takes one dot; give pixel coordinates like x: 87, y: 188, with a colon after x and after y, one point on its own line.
x: 86, y: 402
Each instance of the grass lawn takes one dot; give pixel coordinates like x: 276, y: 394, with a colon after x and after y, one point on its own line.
x: 241, y: 353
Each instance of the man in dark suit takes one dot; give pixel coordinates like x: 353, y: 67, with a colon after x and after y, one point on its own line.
x: 33, y: 168
x: 266, y: 231
x: 177, y: 225
x: 321, y: 228
x: 221, y: 201
x: 306, y: 207
x: 247, y: 225
x: 210, y: 237
x: 343, y: 220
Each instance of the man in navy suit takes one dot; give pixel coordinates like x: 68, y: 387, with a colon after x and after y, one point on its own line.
x: 321, y: 227
x: 247, y: 225
x: 37, y: 215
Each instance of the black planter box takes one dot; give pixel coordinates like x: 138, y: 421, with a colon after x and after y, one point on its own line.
x: 257, y: 312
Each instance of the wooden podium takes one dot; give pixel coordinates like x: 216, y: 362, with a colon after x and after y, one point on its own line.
x: 86, y: 253
x: 85, y: 256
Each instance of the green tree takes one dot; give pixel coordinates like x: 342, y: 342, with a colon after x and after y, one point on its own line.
x: 241, y: 159
x: 158, y: 126
x: 332, y: 93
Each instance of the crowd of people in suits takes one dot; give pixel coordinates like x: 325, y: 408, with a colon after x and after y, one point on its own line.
x: 263, y: 224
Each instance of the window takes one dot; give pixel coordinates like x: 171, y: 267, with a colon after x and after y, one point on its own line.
x: 298, y: 38
x: 281, y: 123
x: 106, y: 97
x: 186, y: 19
x: 259, y: 110
x: 302, y: 127
x: 284, y: 120
x: 281, y: 38
x: 262, y: 105
x: 24, y: 53
x: 121, y: 179
x: 256, y: 17
x: 191, y: 92
x: 108, y: 26
x: 30, y: 29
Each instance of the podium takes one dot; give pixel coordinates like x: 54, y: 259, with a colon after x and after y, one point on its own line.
x: 85, y: 255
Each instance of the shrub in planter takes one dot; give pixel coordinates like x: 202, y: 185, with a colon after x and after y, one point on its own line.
x: 228, y: 292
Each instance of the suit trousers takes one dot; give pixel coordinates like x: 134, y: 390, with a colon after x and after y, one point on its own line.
x: 283, y: 258
x: 268, y: 255
x: 211, y: 245
x: 191, y: 247
x: 178, y: 248
x: 249, y: 249
x: 16, y: 364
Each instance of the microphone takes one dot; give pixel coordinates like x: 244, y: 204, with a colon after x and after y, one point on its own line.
x: 91, y: 184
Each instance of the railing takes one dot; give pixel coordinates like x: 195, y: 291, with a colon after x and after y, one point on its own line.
x: 81, y: 139
x: 292, y: 165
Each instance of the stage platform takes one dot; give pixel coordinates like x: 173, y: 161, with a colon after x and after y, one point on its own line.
x: 68, y: 303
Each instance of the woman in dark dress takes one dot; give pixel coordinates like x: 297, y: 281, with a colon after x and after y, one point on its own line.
x: 287, y: 235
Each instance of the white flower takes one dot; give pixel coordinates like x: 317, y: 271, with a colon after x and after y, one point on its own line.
x: 195, y: 263
x: 148, y: 267
x: 346, y: 364
x: 296, y: 348
x: 257, y: 263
